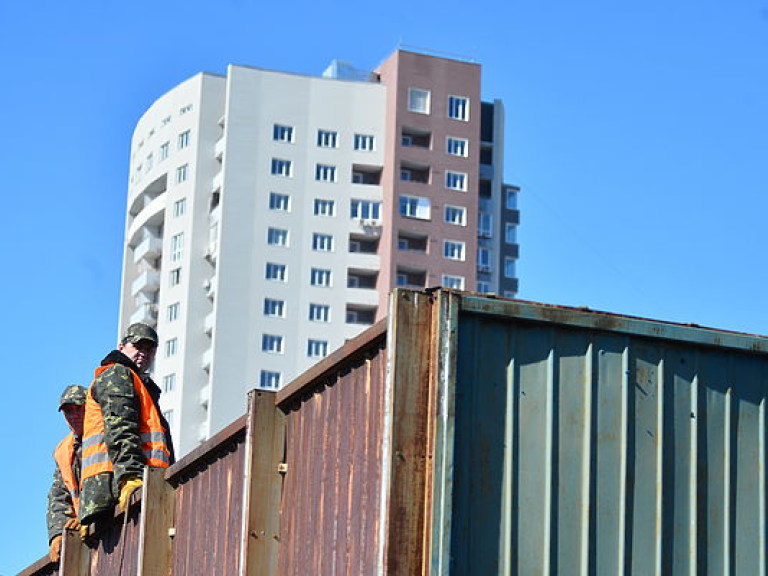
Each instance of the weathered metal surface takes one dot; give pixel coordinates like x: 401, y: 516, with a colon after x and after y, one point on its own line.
x: 115, y: 551
x: 331, y: 507
x: 208, y: 515
x: 43, y: 567
x: 598, y: 444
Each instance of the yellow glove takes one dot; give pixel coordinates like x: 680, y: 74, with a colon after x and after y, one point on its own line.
x: 72, y: 524
x: 83, y: 531
x: 127, y: 487
x: 54, y: 548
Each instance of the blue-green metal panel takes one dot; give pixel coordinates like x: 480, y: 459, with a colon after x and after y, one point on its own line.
x: 587, y: 444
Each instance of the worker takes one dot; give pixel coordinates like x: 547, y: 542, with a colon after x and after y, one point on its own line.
x: 65, y: 490
x: 124, y: 427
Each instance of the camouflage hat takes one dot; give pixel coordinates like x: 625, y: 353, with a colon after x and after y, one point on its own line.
x: 72, y: 395
x: 138, y: 331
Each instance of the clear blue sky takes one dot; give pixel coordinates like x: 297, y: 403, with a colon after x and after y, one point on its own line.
x: 637, y: 131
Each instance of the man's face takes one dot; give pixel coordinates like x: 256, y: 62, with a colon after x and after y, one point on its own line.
x: 142, y: 353
x: 74, y: 414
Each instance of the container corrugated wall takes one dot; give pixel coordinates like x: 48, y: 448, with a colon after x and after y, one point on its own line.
x: 596, y: 444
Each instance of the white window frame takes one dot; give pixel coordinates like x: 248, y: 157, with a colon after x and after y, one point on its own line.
x: 511, y: 199
x: 179, y: 207
x: 183, y: 140
x: 483, y: 259
x: 325, y: 173
x: 165, y: 150
x: 415, y: 207
x: 454, y: 250
x: 455, y: 215
x: 317, y: 348
x: 182, y: 173
x: 485, y: 224
x: 282, y: 133
x: 169, y: 382
x: 458, y: 108
x: 456, y: 180
x: 174, y: 277
x: 275, y: 272
x: 457, y: 146
x: 177, y: 247
x: 327, y: 139
x: 279, y: 202
x: 324, y: 207
x: 364, y: 142
x: 320, y: 277
x: 272, y: 343
x: 319, y: 313
x: 453, y: 282
x: 270, y: 379
x: 282, y: 168
x: 172, y: 311
x: 274, y: 308
x: 415, y: 97
x: 365, y: 209
x: 510, y: 233
x: 483, y: 287
x: 277, y: 236
x: 322, y: 242
x: 171, y: 347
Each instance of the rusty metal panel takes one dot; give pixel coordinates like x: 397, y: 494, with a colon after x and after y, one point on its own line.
x: 209, y: 508
x: 116, y: 546
x: 588, y: 443
x: 330, y: 516
x: 43, y: 567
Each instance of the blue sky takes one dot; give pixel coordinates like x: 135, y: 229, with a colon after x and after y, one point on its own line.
x: 638, y: 133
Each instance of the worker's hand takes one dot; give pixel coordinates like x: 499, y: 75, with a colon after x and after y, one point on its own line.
x: 83, y: 531
x: 54, y: 548
x: 72, y: 524
x: 127, y: 488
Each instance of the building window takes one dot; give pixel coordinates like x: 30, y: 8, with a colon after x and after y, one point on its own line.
x: 485, y: 225
x: 406, y: 175
x: 365, y: 210
x: 166, y: 121
x: 325, y: 173
x: 364, y: 142
x: 169, y: 382
x: 174, y: 277
x: 322, y: 242
x: 269, y: 379
x: 317, y: 348
x: 511, y: 200
x: 183, y: 140
x: 453, y: 282
x: 273, y: 307
x: 272, y: 343
x: 510, y: 233
x: 418, y: 100
x: 414, y: 207
x: 282, y: 133
x: 148, y: 162
x: 177, y: 247
x: 319, y: 313
x: 453, y: 250
x: 275, y: 272
x: 171, y: 347
x: 483, y: 287
x: 324, y: 207
x: 184, y: 109
x: 182, y: 173
x: 282, y: 167
x: 456, y: 180
x: 456, y: 215
x: 277, y: 237
x: 179, y: 207
x: 320, y: 277
x: 509, y: 267
x: 458, y: 108
x: 172, y: 312
x: 483, y: 259
x: 457, y: 146
x: 279, y: 201
x: 327, y: 138
x: 165, y: 149
x: 168, y: 415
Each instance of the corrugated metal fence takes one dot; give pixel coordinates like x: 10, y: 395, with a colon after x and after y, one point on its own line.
x: 471, y: 435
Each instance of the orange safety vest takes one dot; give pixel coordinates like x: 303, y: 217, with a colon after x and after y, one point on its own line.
x: 64, y: 455
x: 151, y: 432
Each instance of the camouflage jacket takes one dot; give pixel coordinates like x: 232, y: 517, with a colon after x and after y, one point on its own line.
x: 60, y: 505
x: 114, y: 391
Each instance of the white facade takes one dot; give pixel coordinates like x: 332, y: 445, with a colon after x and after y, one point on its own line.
x: 254, y: 216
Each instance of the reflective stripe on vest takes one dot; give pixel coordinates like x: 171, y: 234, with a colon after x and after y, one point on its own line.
x: 64, y: 455
x: 151, y: 432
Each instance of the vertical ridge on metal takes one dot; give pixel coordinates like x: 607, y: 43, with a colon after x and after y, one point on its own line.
x: 75, y: 555
x: 411, y: 406
x: 263, y: 485
x: 155, y: 522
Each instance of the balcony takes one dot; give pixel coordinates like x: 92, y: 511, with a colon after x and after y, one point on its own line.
x: 146, y: 314
x: 208, y: 324
x: 209, y: 286
x: 146, y: 283
x: 218, y: 180
x: 367, y: 227
x: 205, y: 395
x: 207, y: 359
x: 218, y: 150
x: 486, y: 171
x: 148, y: 249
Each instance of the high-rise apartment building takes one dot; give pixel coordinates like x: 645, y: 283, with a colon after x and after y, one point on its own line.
x: 270, y: 214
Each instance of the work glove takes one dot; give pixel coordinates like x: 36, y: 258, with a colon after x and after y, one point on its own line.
x: 127, y: 487
x: 72, y: 524
x: 54, y: 548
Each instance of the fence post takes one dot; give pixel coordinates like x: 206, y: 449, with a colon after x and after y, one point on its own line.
x: 263, y: 485
x: 155, y: 523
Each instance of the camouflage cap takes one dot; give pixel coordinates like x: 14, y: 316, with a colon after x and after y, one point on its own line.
x: 72, y: 395
x: 139, y: 331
